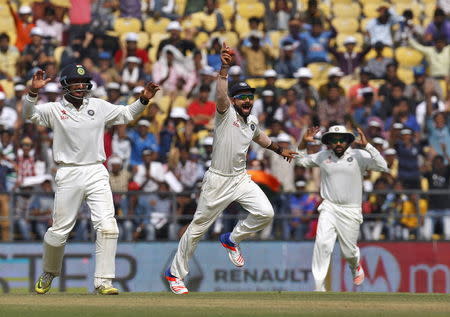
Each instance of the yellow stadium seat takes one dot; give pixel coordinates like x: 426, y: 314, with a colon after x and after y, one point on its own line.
x: 8, y: 87
x: 387, y: 52
x: 180, y: 7
x: 285, y: 83
x: 152, y: 53
x: 319, y: 71
x: 125, y: 25
x: 155, y: 38
x: 347, y: 81
x: 275, y: 37
x: 426, y: 21
x: 247, y: 10
x: 443, y: 85
x: 201, y: 39
x: 241, y: 26
x: 414, y: 7
x: 370, y: 10
x: 377, y: 82
x: 231, y: 38
x: 200, y: 19
x: 408, y: 57
x: 365, y: 2
x: 345, y: 25
x: 57, y: 54
x: 406, y: 75
x: 151, y: 25
x: 429, y: 8
x: 335, y: 2
x: 409, y: 2
x: 61, y: 3
x: 227, y: 10
x: 352, y: 10
x: 364, y: 22
x: 180, y: 101
x: 143, y: 39
x: 256, y: 82
x: 326, y: 9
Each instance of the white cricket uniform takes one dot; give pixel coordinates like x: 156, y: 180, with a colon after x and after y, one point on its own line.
x: 340, y: 212
x: 226, y: 181
x: 78, y: 151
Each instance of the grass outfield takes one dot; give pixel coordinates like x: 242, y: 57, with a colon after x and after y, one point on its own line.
x: 227, y: 304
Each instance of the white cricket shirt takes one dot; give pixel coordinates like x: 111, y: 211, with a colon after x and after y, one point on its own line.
x: 232, y: 137
x: 341, y: 178
x: 78, y: 134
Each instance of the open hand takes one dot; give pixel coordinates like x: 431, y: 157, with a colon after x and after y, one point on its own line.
x: 310, y: 133
x: 150, y: 90
x: 38, y: 80
x: 362, y: 141
x: 288, y: 154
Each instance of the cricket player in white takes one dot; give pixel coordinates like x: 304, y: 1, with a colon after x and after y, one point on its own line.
x: 78, y: 124
x: 341, y: 169
x: 226, y: 180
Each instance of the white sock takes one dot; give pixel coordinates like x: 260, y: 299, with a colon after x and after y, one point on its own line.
x: 99, y: 281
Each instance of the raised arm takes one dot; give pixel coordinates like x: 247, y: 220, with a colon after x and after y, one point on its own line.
x: 29, y: 111
x: 222, y: 102
x: 303, y: 159
x: 376, y: 161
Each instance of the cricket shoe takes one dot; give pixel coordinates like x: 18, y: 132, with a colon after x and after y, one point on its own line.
x: 106, y: 290
x: 44, y: 283
x: 233, y: 249
x: 358, y: 275
x: 176, y: 284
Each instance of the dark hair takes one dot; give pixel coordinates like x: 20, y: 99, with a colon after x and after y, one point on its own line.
x: 4, y: 36
x: 316, y: 21
x: 333, y: 85
x: 439, y: 12
x: 254, y: 20
x: 440, y: 38
x: 394, y: 63
x: 398, y: 84
x: 408, y: 14
x: 49, y: 11
x: 204, y: 88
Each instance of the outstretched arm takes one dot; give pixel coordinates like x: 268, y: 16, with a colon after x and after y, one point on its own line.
x: 263, y: 140
x: 223, y: 102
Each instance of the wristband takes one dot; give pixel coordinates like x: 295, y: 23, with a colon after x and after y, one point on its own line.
x: 144, y: 100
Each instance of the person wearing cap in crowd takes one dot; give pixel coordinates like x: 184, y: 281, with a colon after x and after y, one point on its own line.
x: 264, y: 108
x: 235, y: 74
x: 377, y: 64
x: 258, y: 54
x: 342, y: 169
x: 114, y: 95
x: 37, y: 52
x: 183, y: 45
x: 254, y: 25
x: 213, y: 52
x: 9, y: 56
x: 394, y: 132
x: 8, y: 115
x: 16, y: 101
x: 170, y: 69
x: 207, y: 76
x: 141, y: 139
x: 289, y: 61
x: 304, y: 89
x: 402, y: 113
x: 302, y: 206
x: 105, y: 69
x: 78, y: 123
x: 201, y: 110
x: 379, y: 29
x: 280, y: 168
x: 379, y: 143
x: 271, y: 76
x: 132, y: 74
x: 334, y: 76
x: 349, y: 60
x: 23, y: 21
x: 408, y: 152
x: 52, y: 29
x: 390, y: 155
x: 438, y: 133
x: 188, y: 168
x: 226, y: 180
x: 131, y: 49
x: 51, y: 93
x: 374, y: 128
x: 416, y: 90
x: 334, y: 107
x: 406, y: 28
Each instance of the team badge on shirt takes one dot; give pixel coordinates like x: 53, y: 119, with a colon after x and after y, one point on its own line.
x: 350, y: 159
x: 252, y: 126
x: 91, y: 112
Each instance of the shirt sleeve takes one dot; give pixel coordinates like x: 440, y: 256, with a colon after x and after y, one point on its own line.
x: 373, y: 160
x: 118, y: 114
x: 306, y: 160
x: 38, y: 114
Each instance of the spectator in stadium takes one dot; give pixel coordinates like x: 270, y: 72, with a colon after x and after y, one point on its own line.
x: 406, y: 28
x: 36, y: 52
x: 428, y: 109
x: 305, y: 91
x: 51, y: 93
x: 9, y: 56
x: 439, y: 27
x: 130, y: 9
x: 52, y: 29
x: 257, y: 55
x: 412, y: 209
x: 189, y: 169
x: 416, y: 90
x: 302, y: 206
x: 105, y: 69
x: 183, y: 45
x: 437, y: 56
x: 132, y: 74
x: 296, y: 27
x: 8, y: 116
x: 270, y: 75
x: 289, y: 61
x: 121, y: 144
x: 27, y: 162
x: 356, y: 92
x: 408, y: 160
x: 131, y: 49
x: 254, y: 25
x: 79, y: 17
x: 235, y: 74
x: 402, y: 113
x: 379, y: 29
x: 333, y: 108
x: 264, y: 108
x: 74, y: 52
x: 334, y: 76
x: 201, y: 110
x: 113, y: 94
x: 6, y: 167
x: 23, y: 21
x: 21, y: 212
x: 378, y: 64
x: 438, y: 176
x: 349, y: 60
x: 394, y: 93
x: 41, y: 207
x: 140, y: 140
x: 316, y: 42
x: 374, y: 209
x: 278, y: 17
x: 391, y: 79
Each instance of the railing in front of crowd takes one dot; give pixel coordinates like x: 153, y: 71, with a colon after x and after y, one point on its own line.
x: 396, y: 215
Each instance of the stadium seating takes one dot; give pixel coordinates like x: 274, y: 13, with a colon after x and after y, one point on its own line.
x: 345, y: 25
x: 415, y: 7
x: 125, y: 25
x: 319, y: 71
x: 406, y: 75
x: 370, y: 10
x: 387, y: 52
x: 231, y: 38
x: 341, y: 37
x: 57, y: 54
x: 143, y: 39
x: 352, y: 10
x: 8, y: 87
x: 227, y: 10
x: 408, y: 57
x: 285, y: 83
x: 151, y: 25
x: 256, y: 82
x: 241, y: 26
x: 248, y: 10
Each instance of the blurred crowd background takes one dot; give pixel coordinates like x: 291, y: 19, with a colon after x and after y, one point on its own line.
x: 381, y: 66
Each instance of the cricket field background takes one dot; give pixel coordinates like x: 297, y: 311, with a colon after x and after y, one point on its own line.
x: 402, y: 279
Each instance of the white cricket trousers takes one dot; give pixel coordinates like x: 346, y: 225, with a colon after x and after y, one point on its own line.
x: 218, y: 191
x: 74, y: 184
x: 335, y: 221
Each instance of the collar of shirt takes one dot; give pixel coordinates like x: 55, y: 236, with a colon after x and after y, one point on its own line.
x: 69, y: 105
x: 346, y: 154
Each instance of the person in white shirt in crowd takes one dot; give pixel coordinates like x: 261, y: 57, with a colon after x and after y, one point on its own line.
x: 342, y: 169
x: 379, y: 29
x: 227, y: 180
x: 78, y: 123
x: 51, y: 93
x: 52, y: 29
x: 8, y: 115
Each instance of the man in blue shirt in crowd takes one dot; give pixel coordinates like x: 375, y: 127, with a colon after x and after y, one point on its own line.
x: 141, y: 139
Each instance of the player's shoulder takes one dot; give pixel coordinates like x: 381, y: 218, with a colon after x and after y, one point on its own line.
x: 360, y: 153
x: 252, y: 119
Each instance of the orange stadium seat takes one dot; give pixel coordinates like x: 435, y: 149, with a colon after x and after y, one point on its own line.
x: 125, y: 25
x: 408, y: 57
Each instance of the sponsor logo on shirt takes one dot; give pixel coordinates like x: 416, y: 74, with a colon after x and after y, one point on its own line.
x: 64, y: 115
x: 236, y: 123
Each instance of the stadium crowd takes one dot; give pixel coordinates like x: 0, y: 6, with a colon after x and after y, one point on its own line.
x: 381, y: 66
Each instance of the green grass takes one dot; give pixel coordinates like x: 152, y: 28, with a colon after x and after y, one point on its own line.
x: 227, y: 304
